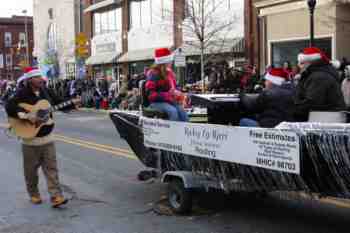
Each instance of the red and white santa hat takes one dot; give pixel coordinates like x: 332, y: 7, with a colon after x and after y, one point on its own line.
x: 312, y: 54
x: 31, y: 72
x: 277, y: 76
x: 163, y: 56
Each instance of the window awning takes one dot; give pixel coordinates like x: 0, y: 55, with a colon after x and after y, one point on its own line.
x: 102, y: 4
x: 235, y: 45
x: 103, y: 58
x: 137, y: 55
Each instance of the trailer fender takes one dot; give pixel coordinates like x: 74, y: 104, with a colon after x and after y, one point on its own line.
x: 189, y: 179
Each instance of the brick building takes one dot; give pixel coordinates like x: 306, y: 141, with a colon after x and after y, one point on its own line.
x: 124, y: 33
x: 13, y: 51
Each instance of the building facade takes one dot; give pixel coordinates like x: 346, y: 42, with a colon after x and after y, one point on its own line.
x: 105, y: 30
x: 15, y: 52
x: 282, y: 29
x: 56, y: 26
x: 124, y: 33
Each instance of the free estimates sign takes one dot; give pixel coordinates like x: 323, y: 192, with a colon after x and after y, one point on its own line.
x: 267, y: 148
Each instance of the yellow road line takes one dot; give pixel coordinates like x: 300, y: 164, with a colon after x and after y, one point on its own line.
x: 94, y: 144
x: 113, y: 152
x: 90, y: 145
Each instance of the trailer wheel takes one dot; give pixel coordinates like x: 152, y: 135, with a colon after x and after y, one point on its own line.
x: 180, y: 199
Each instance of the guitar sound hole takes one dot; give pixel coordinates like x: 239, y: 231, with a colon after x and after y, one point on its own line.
x: 43, y: 115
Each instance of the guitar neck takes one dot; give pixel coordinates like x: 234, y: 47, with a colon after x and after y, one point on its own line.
x: 61, y: 105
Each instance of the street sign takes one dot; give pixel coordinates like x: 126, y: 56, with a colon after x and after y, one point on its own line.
x: 180, y: 59
x: 81, y: 45
x: 81, y: 39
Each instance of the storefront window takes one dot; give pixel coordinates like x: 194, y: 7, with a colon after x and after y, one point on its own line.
x: 135, y: 14
x: 147, y: 12
x: 108, y: 21
x: 289, y: 50
x: 139, y: 67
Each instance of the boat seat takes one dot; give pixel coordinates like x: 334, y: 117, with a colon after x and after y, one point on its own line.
x: 146, y: 110
x: 327, y: 117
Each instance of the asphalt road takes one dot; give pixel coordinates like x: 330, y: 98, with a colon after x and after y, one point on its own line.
x: 98, y: 173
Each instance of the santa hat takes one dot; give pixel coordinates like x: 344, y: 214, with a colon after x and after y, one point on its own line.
x: 312, y: 54
x: 163, y: 56
x: 29, y: 73
x: 277, y: 76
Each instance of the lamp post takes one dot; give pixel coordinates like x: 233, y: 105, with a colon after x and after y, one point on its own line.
x: 311, y: 4
x: 27, y: 38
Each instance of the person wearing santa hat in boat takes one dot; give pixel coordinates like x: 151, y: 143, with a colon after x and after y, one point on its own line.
x: 161, y: 86
x: 318, y: 88
x: 274, y: 104
x: 38, y: 151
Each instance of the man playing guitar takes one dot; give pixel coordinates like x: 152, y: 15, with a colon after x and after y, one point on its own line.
x: 39, y: 150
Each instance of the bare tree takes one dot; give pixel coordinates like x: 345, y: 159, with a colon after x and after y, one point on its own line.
x: 207, y: 26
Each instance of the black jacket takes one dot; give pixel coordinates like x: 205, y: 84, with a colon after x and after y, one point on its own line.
x: 318, y: 90
x: 26, y: 95
x: 274, y: 105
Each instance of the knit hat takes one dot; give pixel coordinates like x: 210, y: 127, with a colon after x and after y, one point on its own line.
x: 312, y: 54
x: 163, y: 56
x: 277, y: 76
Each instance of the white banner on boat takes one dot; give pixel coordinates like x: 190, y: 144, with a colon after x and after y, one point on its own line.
x: 267, y: 148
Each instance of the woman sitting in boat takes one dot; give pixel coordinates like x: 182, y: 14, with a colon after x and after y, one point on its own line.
x: 161, y: 86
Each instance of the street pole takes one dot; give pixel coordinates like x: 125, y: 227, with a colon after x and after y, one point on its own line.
x: 26, y: 36
x: 312, y: 4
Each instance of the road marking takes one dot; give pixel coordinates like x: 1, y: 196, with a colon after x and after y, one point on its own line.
x: 90, y: 145
x: 113, y: 152
x: 107, y: 147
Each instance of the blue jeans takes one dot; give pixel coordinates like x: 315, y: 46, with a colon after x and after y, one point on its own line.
x: 174, y: 112
x: 246, y: 122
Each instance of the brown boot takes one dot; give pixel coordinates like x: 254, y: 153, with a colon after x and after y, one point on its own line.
x: 58, y: 201
x: 36, y: 199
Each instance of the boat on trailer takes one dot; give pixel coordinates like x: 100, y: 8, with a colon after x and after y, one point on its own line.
x: 310, y: 157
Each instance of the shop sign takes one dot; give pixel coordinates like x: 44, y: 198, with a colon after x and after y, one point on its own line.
x: 105, y: 48
x: 266, y: 148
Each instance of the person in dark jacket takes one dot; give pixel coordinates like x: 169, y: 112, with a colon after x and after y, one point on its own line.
x: 274, y: 104
x: 318, y: 88
x: 38, y: 151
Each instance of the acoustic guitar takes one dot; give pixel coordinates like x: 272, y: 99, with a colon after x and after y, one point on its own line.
x: 42, y: 109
